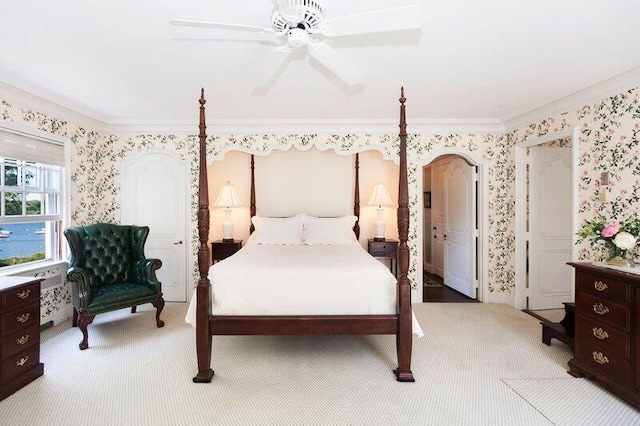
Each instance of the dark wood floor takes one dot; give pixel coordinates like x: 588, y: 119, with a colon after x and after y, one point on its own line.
x: 443, y: 293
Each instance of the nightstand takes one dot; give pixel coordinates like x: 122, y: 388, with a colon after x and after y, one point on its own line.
x: 223, y: 249
x: 387, y: 249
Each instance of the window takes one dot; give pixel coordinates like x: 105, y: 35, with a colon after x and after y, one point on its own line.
x: 31, y: 207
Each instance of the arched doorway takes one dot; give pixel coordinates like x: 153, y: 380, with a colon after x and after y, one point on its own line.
x: 453, y: 222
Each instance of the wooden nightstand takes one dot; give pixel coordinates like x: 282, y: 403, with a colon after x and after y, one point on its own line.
x: 387, y: 249
x: 222, y: 249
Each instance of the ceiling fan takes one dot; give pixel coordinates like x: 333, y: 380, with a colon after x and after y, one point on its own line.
x: 299, y: 24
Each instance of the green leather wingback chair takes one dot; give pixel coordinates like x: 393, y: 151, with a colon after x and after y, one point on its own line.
x: 108, y: 271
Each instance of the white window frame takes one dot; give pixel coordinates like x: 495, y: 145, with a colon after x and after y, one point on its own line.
x: 55, y: 246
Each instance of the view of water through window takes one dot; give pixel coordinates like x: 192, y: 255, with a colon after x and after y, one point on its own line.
x: 22, y: 240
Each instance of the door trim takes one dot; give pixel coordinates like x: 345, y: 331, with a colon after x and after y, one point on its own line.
x: 482, y: 201
x: 520, y: 297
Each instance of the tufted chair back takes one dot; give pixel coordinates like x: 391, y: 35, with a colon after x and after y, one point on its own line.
x: 106, y: 251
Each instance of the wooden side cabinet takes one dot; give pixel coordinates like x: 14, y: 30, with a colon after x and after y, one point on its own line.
x: 607, y: 321
x: 223, y: 249
x: 19, y: 333
x: 386, y: 249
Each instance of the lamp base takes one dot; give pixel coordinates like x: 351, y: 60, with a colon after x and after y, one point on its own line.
x: 228, y: 240
x: 379, y: 239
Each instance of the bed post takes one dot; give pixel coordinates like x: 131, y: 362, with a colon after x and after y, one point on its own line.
x: 356, y: 199
x: 403, y: 337
x: 252, y: 205
x: 203, y: 291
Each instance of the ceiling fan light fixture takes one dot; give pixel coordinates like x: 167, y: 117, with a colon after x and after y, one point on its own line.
x: 297, y: 38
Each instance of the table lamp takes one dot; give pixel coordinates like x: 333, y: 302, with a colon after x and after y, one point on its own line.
x: 227, y: 199
x: 380, y: 198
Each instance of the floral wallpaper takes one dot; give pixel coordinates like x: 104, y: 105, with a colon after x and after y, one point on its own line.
x: 609, y: 131
x: 609, y: 139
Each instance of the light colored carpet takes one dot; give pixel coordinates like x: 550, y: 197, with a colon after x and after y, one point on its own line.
x: 136, y: 374
x: 575, y: 402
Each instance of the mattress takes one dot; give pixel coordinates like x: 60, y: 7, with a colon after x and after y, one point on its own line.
x: 339, y: 279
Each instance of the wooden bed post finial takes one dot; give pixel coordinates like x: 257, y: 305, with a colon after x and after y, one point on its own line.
x: 404, y: 337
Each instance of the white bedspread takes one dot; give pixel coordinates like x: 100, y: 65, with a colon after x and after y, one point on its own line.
x: 301, y: 280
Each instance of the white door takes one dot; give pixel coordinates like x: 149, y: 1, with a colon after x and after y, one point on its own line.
x: 550, y: 278
x: 154, y: 194
x: 460, y: 227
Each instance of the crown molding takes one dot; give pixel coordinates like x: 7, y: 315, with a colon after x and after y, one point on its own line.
x: 323, y: 126
x: 30, y: 99
x: 609, y: 87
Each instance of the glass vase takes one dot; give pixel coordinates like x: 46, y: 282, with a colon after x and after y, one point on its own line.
x: 624, y: 259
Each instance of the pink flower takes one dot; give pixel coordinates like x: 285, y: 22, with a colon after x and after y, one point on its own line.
x: 610, y: 229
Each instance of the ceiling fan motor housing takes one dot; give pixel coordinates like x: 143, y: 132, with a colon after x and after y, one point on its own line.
x: 289, y: 14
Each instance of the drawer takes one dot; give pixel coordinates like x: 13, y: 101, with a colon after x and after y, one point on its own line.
x: 383, y: 248
x: 603, y: 363
x: 602, y: 287
x: 21, y: 295
x: 384, y: 253
x: 19, y: 341
x: 603, y: 336
x: 603, y: 310
x: 19, y: 363
x: 20, y: 318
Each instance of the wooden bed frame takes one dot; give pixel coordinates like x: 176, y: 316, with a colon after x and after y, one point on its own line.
x: 208, y: 325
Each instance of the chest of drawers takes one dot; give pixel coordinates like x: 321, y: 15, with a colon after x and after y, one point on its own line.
x: 19, y: 333
x: 607, y: 324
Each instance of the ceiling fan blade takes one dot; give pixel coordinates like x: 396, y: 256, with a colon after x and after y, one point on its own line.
x: 394, y: 19
x: 336, y: 63
x: 219, y: 25
x: 273, y: 64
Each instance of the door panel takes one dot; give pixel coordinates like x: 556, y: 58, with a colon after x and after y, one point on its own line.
x: 154, y: 194
x: 550, y: 278
x: 459, y: 205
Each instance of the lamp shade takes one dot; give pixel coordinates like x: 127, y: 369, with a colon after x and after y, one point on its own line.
x: 380, y: 196
x: 227, y: 197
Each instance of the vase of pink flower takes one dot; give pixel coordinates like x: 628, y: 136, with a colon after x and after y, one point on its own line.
x: 619, y: 238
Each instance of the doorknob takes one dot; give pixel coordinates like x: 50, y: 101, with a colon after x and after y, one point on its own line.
x: 444, y: 236
x: 178, y: 243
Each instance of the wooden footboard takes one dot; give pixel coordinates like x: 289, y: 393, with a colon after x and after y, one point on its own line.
x: 399, y: 324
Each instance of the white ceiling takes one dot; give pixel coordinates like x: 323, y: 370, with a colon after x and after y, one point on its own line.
x: 473, y: 60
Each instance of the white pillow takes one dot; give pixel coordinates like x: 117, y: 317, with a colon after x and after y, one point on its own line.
x: 276, y: 230
x: 329, y: 230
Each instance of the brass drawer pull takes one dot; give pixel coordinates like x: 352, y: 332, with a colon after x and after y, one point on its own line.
x: 24, y: 360
x: 23, y: 294
x: 600, y: 358
x: 23, y: 317
x: 600, y: 286
x: 600, y: 333
x: 24, y: 339
x: 600, y: 309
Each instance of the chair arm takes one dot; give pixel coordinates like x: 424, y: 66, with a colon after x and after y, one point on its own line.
x: 144, y: 271
x: 80, y: 286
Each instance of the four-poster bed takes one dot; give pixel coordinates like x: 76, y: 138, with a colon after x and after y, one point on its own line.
x: 398, y: 323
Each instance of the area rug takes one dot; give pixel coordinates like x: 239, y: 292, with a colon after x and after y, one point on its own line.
x: 428, y: 282
x: 574, y: 401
